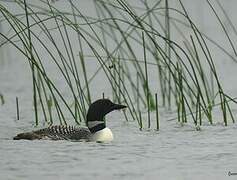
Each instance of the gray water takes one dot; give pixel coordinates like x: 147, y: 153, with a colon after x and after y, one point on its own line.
x: 175, y: 152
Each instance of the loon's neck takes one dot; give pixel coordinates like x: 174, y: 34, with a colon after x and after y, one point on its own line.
x: 103, y: 135
x: 99, y: 131
x: 95, y: 126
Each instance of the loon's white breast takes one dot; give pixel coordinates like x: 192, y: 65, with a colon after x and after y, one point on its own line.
x: 104, y: 135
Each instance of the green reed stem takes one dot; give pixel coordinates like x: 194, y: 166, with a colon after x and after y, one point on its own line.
x: 2, y: 99
x: 146, y: 83
x: 32, y: 65
x: 168, y: 48
x: 140, y: 120
x: 17, y: 109
x: 157, y: 114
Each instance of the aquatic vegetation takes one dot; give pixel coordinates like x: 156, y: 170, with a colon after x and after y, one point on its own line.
x: 187, y: 80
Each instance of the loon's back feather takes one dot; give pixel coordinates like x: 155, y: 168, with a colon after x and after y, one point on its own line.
x: 57, y: 133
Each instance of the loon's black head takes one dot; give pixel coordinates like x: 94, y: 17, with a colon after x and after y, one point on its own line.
x: 97, y: 111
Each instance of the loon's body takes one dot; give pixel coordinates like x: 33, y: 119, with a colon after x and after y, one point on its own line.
x: 96, y: 130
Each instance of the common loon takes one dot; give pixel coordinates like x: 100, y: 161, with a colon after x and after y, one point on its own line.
x: 95, y: 130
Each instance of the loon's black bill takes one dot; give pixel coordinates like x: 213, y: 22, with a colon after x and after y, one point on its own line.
x: 118, y: 106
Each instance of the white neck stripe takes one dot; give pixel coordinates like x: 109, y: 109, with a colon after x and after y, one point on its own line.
x: 92, y: 124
